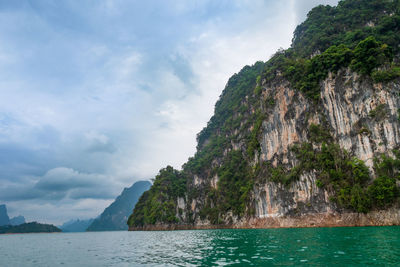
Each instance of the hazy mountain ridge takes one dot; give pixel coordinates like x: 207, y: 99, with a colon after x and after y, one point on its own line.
x: 17, y: 220
x: 115, y: 216
x: 76, y: 225
x: 5, y: 220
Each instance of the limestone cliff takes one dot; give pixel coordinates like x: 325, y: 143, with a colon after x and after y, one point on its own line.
x: 346, y: 104
x: 309, y: 138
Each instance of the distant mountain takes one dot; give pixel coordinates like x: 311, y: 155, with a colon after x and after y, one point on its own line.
x: 116, y: 215
x: 17, y: 220
x: 32, y: 227
x: 4, y: 219
x: 76, y: 225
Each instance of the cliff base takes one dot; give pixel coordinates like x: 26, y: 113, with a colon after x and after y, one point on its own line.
x: 374, y: 218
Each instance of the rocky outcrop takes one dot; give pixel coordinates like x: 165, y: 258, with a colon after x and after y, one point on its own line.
x: 362, y: 115
x: 275, y: 200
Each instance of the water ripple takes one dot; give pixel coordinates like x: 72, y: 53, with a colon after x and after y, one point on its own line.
x: 313, y: 246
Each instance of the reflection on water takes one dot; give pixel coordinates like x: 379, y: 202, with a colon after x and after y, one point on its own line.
x: 316, y: 246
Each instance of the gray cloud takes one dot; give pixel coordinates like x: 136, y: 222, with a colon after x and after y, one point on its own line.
x: 63, y: 179
x: 60, y: 183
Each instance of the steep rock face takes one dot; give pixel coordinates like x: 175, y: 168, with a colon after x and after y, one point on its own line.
x: 303, y: 196
x: 285, y: 123
x: 347, y: 101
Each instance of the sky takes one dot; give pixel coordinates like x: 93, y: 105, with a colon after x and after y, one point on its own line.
x: 95, y: 95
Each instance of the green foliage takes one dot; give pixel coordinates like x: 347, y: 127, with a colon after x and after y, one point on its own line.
x: 284, y: 176
x: 307, y: 74
x: 270, y: 102
x: 233, y: 189
x: 354, y: 197
x: 384, y: 76
x: 158, y: 204
x: 32, y: 227
x: 379, y: 113
x: 388, y: 166
x: 253, y: 143
x: 370, y: 54
x: 318, y: 134
x: 383, y: 191
x: 348, y: 23
x: 258, y: 89
x: 238, y: 86
x: 319, y: 183
x: 217, y: 136
x: 364, y: 130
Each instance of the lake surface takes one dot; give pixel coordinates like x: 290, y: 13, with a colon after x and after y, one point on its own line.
x: 352, y: 246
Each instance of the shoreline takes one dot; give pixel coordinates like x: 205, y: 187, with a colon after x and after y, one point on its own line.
x: 316, y: 220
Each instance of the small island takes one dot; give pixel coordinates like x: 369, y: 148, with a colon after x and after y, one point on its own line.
x: 32, y: 227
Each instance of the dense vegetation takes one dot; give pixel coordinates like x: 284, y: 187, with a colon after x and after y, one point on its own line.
x: 233, y: 189
x: 306, y: 74
x: 348, y: 23
x: 159, y: 203
x: 231, y: 113
x: 359, y: 35
x: 32, y: 227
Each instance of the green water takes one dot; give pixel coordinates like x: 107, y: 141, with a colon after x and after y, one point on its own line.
x: 353, y: 246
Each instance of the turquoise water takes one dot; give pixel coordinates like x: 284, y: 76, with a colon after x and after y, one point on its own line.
x: 353, y: 246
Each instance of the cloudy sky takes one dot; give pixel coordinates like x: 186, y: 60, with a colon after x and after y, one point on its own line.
x: 95, y: 95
